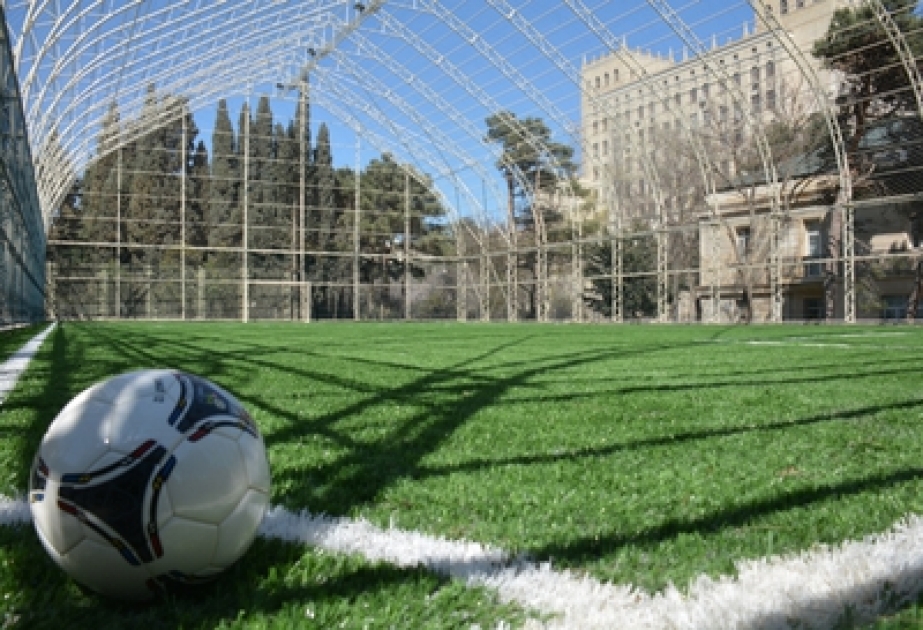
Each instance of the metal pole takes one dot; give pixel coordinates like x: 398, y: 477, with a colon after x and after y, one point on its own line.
x: 356, y: 313
x: 244, y: 269
x: 406, y: 245
x: 302, y: 187
x: 118, y: 236
x: 182, y: 213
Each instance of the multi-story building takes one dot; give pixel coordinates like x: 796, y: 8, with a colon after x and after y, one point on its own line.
x: 634, y: 97
x: 650, y: 123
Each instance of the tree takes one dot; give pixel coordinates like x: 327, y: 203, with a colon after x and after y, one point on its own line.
x: 533, y: 167
x: 874, y: 83
x: 200, y: 193
x: 639, y: 292
x: 157, y: 161
x: 874, y: 86
x: 262, y: 210
x: 392, y: 194
x: 224, y: 216
x: 98, y: 207
x: 327, y: 217
x: 323, y: 188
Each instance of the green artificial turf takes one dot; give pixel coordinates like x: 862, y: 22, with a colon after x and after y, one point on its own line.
x: 639, y: 454
x: 12, y: 339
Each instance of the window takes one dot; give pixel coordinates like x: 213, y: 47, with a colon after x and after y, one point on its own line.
x: 705, y: 92
x: 595, y: 149
x: 755, y: 103
x: 771, y: 100
x: 743, y: 242
x: 607, y: 79
x: 605, y: 147
x: 755, y: 75
x: 783, y: 6
x: 615, y: 74
x: 813, y: 249
x: 799, y: 4
x: 595, y: 127
x: 693, y: 95
x: 640, y: 112
x: 678, y: 99
x: 895, y: 307
x: 770, y: 69
x: 737, y: 79
x: 597, y: 83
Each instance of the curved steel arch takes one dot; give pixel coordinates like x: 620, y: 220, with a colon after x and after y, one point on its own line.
x: 73, y: 75
x: 75, y: 59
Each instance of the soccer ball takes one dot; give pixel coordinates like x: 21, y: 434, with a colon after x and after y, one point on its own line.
x: 149, y: 478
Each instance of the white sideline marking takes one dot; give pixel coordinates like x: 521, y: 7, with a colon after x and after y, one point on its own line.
x: 781, y: 342
x: 804, y: 344
x: 815, y: 587
x: 13, y: 367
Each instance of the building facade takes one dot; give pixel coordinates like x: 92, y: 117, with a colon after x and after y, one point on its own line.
x: 671, y: 144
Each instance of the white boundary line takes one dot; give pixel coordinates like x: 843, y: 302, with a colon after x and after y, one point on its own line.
x: 13, y: 367
x: 816, y: 588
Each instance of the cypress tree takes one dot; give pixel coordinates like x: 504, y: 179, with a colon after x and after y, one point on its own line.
x: 223, y: 211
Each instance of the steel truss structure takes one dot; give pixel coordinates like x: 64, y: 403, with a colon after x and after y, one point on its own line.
x: 721, y: 175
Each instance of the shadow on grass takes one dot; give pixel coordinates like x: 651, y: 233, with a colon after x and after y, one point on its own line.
x: 41, y: 596
x: 666, y: 440
x: 275, y: 582
x: 367, y: 469
x: 587, y: 549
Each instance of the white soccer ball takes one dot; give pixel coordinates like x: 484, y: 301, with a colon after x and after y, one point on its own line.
x: 148, y: 478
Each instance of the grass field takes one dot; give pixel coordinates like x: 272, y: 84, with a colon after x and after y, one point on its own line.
x: 637, y: 454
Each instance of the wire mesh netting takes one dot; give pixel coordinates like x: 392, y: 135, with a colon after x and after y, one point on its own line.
x: 495, y: 160
x: 22, y: 235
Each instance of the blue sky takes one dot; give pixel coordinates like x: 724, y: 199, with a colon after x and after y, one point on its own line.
x: 439, y: 126
x: 549, y: 92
